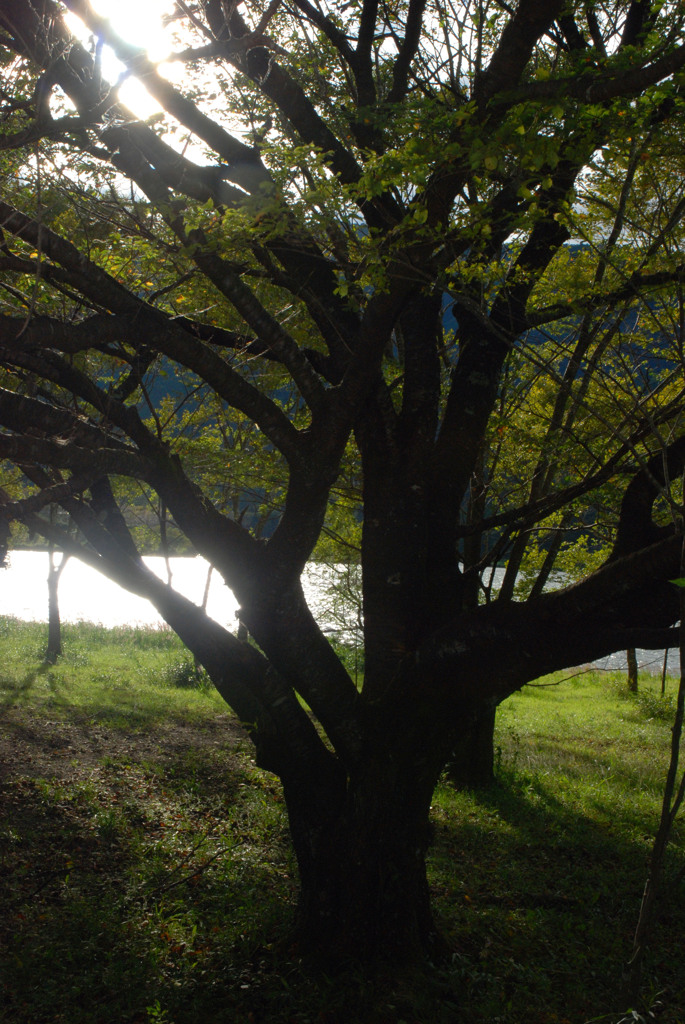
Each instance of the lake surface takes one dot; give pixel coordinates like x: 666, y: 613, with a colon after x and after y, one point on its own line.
x: 85, y: 595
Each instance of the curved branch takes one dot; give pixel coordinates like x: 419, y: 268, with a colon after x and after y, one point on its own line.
x: 24, y: 345
x: 329, y: 29
x: 67, y: 455
x: 599, y: 87
x: 531, y: 19
x: 636, y: 528
x: 407, y: 51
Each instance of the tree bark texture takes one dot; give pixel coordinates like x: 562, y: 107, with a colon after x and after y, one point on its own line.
x: 632, y: 669
x: 471, y: 763
x: 54, y: 644
x: 364, y: 891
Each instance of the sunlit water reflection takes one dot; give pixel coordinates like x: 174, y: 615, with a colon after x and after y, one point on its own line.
x: 86, y: 595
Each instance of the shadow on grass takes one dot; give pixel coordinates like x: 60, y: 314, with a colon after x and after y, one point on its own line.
x: 136, y: 889
x: 15, y: 691
x: 540, y: 904
x: 110, y: 705
x: 143, y: 891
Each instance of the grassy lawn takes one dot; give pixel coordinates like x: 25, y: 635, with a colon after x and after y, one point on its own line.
x: 146, y: 875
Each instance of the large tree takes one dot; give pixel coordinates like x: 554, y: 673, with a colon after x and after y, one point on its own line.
x: 430, y: 243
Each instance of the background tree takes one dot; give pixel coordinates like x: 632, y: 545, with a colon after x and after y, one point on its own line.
x: 55, y: 569
x: 387, y: 199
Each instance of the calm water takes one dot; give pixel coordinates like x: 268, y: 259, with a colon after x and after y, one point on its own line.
x: 85, y: 595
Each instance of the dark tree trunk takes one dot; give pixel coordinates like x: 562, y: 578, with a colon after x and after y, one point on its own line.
x: 632, y: 669
x: 364, y: 893
x: 472, y: 762
x: 54, y: 646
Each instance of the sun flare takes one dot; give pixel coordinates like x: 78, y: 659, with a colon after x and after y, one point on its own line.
x: 140, y: 24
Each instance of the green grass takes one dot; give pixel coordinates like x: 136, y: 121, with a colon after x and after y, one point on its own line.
x: 554, y: 857
x: 127, y: 677
x: 146, y: 873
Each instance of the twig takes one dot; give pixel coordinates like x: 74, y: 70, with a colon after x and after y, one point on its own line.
x: 582, y: 672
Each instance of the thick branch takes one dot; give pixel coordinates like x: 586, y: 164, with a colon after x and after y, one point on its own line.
x: 286, y: 740
x: 362, y: 66
x: 22, y: 413
x: 329, y: 29
x: 530, y: 21
x: 85, y: 275
x: 67, y: 455
x: 500, y: 647
x: 601, y: 86
x: 408, y: 50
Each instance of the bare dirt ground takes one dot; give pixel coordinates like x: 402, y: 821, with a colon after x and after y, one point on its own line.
x: 43, y: 748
